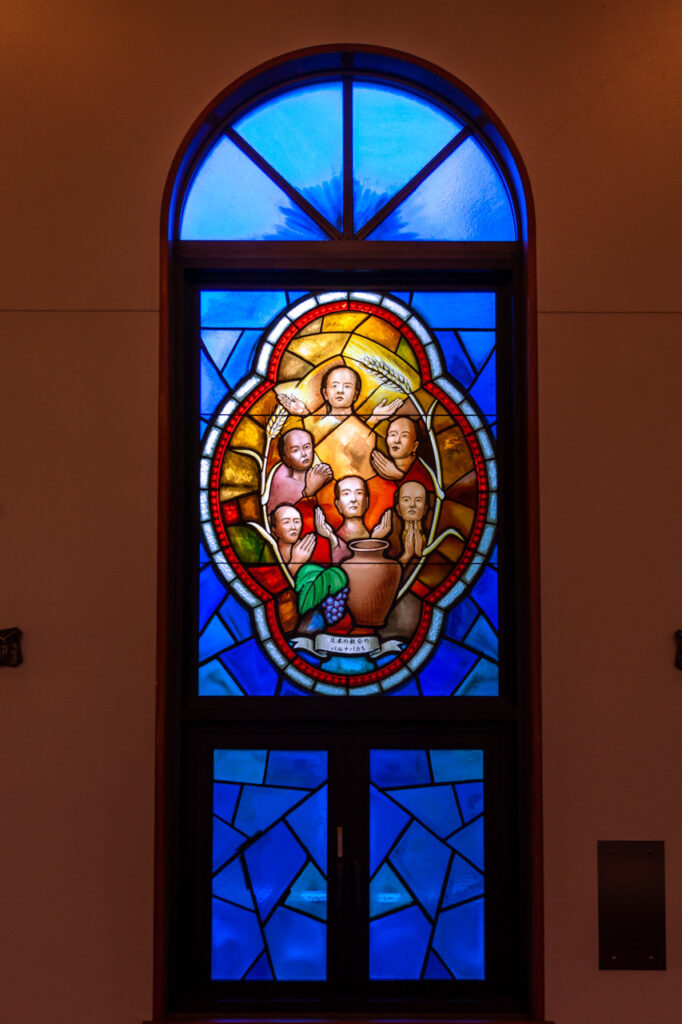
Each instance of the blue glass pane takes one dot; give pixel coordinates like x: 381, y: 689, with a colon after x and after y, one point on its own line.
x: 422, y: 860
x: 240, y: 309
x: 231, y: 198
x: 456, y: 309
x: 203, y: 555
x: 251, y: 668
x: 435, y: 968
x: 225, y: 800
x: 309, y: 822
x: 309, y: 893
x: 239, y: 363
x: 297, y: 768
x: 482, y: 681
x: 287, y: 690
x: 469, y: 842
x: 213, y: 389
x: 236, y: 618
x: 448, y: 665
x: 230, y: 884
x: 394, y: 134
x: 483, y: 638
x: 463, y: 200
x: 387, y: 893
x: 260, y: 970
x: 236, y: 940
x: 470, y: 796
x: 215, y: 638
x: 260, y: 806
x: 239, y: 765
x: 434, y: 806
x: 478, y: 345
x: 460, y: 619
x: 458, y: 940
x: 464, y: 883
x: 408, y: 690
x: 386, y: 822
x: 272, y: 862
x: 455, y: 358
x: 484, y: 391
x: 300, y: 134
x: 485, y: 594
x: 216, y: 681
x: 397, y: 945
x: 219, y: 344
x: 297, y: 946
x: 399, y: 768
x: 211, y: 593
x: 226, y: 842
x: 456, y: 765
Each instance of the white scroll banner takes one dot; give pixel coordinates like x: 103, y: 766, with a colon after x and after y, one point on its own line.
x: 325, y: 644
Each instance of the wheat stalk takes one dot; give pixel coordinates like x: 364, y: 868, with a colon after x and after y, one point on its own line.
x: 277, y: 420
x: 387, y: 374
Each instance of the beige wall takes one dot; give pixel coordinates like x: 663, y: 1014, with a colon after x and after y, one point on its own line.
x: 96, y: 98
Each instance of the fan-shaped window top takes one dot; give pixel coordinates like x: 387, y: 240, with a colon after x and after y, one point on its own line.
x: 367, y: 161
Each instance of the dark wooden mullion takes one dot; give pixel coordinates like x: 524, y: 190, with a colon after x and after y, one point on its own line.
x: 297, y: 198
x: 348, y: 213
x: 406, y: 190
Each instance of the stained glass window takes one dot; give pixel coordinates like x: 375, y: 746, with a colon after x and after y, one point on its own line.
x: 269, y: 865
x: 414, y: 170
x: 348, y: 539
x: 346, y: 463
x: 427, y: 864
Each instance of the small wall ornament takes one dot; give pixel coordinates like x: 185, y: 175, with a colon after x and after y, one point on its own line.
x: 10, y: 648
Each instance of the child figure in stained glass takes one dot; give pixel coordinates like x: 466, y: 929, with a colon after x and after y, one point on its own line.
x: 286, y: 524
x: 298, y: 476
x: 411, y: 506
x: 402, y: 441
x: 342, y: 439
x: 351, y: 498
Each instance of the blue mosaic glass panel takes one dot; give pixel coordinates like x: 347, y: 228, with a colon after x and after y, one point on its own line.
x: 395, y: 133
x: 427, y: 865
x: 463, y: 200
x: 300, y: 134
x: 230, y: 198
x: 269, y: 865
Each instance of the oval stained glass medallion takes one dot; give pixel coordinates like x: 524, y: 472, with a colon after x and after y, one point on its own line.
x: 348, y: 493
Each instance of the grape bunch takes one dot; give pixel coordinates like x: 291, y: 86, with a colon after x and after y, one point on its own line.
x: 334, y: 606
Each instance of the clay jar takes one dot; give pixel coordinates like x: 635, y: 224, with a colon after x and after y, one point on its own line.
x: 372, y: 581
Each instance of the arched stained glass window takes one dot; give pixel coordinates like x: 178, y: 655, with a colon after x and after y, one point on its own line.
x: 410, y: 168
x: 347, y: 399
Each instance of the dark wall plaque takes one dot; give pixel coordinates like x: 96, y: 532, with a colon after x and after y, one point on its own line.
x: 631, y: 906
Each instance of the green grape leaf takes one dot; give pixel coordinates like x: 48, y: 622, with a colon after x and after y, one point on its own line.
x: 314, y: 582
x: 336, y: 578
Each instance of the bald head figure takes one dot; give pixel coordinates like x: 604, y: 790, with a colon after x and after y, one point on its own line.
x: 402, y: 439
x: 351, y: 497
x: 411, y: 501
